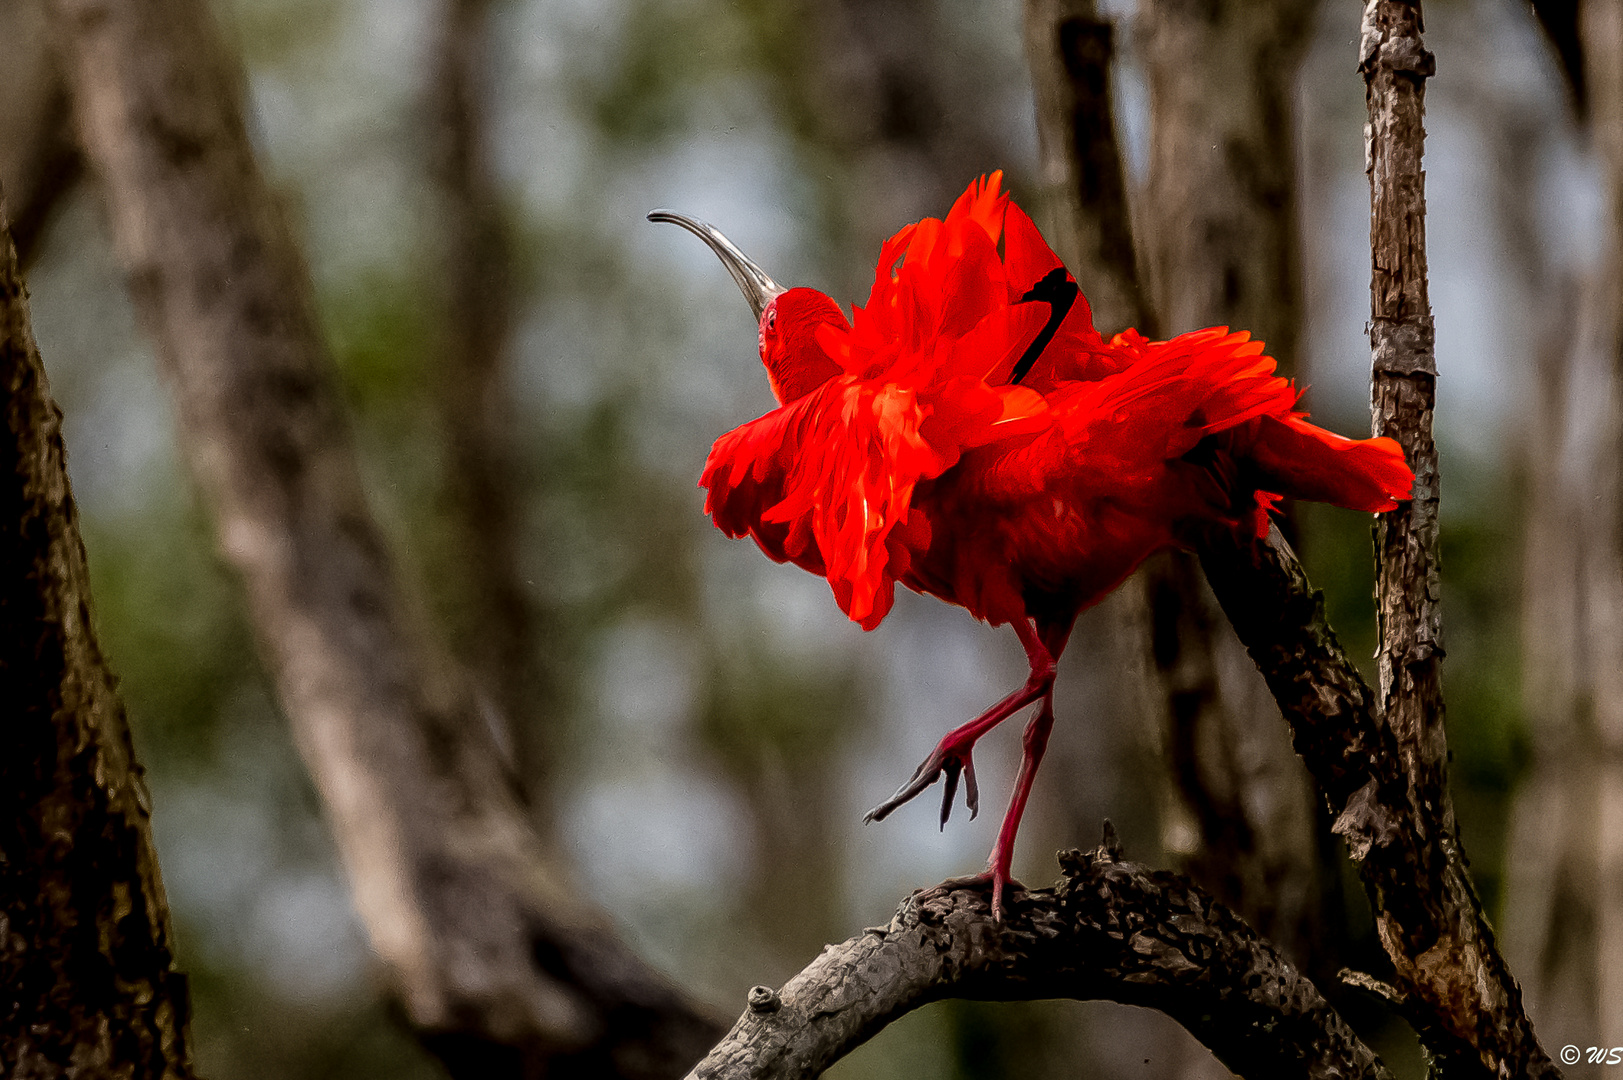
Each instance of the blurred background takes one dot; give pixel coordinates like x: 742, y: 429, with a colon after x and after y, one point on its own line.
x: 702, y: 727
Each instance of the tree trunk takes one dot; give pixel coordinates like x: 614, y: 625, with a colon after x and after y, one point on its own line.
x: 85, y: 953
x: 501, y: 966
x: 1219, y: 224
x: 1448, y: 972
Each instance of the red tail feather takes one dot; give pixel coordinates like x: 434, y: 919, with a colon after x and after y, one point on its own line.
x: 1300, y: 460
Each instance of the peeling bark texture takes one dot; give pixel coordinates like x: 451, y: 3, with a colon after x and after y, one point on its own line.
x: 493, y: 628
x: 86, y: 962
x: 495, y: 958
x: 1453, y: 986
x: 1395, y: 66
x: 39, y: 157
x: 1083, y: 197
x: 1110, y: 930
x: 1444, y: 955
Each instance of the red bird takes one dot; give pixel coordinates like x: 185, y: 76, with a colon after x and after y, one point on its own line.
x: 971, y: 435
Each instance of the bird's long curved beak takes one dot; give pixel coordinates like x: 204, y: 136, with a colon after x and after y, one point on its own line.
x: 757, y: 285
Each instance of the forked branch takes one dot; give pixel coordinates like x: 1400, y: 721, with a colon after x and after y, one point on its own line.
x: 1469, y: 1012
x: 1110, y: 930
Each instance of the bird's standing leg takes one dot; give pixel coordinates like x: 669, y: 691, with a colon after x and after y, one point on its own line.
x: 1033, y: 745
x: 953, y: 755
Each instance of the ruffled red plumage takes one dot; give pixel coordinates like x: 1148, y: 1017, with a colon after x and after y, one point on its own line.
x: 920, y: 463
x: 970, y: 435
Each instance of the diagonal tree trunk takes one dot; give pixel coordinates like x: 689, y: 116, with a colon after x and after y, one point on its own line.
x: 85, y: 952
x: 496, y: 960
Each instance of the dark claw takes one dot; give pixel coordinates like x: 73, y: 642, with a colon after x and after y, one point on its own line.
x: 928, y: 772
x: 972, y: 792
x: 905, y: 793
x: 952, y: 769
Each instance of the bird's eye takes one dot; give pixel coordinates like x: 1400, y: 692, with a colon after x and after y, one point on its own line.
x: 772, y: 320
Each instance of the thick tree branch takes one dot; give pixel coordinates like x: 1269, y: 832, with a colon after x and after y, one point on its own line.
x: 85, y: 957
x: 1468, y: 1012
x: 492, y: 953
x: 1109, y: 931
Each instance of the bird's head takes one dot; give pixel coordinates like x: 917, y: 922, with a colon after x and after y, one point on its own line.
x: 787, y: 318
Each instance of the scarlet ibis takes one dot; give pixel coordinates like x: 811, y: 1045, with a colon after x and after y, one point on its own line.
x: 971, y: 435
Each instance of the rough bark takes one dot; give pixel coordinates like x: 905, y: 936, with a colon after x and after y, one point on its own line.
x: 1452, y: 985
x: 85, y: 952
x: 1446, y: 964
x: 1109, y: 931
x: 492, y: 623
x: 39, y: 157
x: 495, y: 958
x: 1403, y: 392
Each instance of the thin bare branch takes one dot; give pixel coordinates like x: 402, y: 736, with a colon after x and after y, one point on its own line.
x: 85, y: 953
x: 1109, y: 931
x: 1444, y: 954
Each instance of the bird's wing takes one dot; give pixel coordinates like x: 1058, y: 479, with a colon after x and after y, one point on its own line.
x: 1171, y: 394
x: 827, y: 481
x: 1221, y: 384
x: 1210, y: 402
x: 1117, y: 431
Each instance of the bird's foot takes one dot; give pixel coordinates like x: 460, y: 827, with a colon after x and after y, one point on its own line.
x: 999, y: 881
x: 949, y: 760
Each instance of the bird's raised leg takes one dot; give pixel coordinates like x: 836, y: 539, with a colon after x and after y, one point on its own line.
x: 1002, y: 857
x: 953, y: 754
